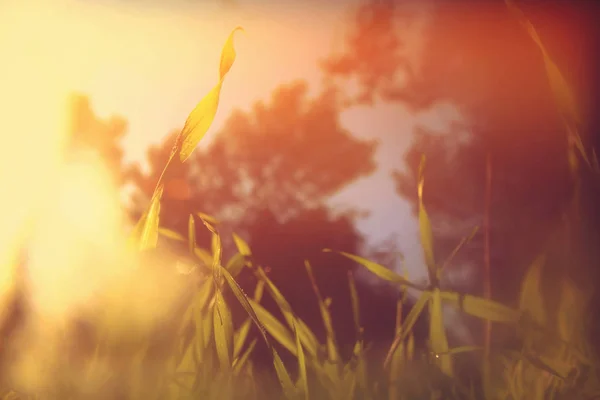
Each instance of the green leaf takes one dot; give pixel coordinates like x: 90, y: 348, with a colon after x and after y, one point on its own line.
x: 223, y: 328
x: 481, y: 308
x: 437, y: 333
x: 149, y: 236
x: 379, y: 270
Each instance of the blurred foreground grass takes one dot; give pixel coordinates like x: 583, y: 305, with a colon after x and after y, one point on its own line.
x: 190, y: 346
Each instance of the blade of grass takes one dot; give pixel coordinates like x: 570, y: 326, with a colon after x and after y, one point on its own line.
x: 379, y: 270
x: 203, y: 115
x: 408, y: 324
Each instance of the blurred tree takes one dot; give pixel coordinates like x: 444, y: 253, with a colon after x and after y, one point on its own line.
x: 266, y: 175
x: 477, y: 58
x: 92, y: 133
x: 285, y: 156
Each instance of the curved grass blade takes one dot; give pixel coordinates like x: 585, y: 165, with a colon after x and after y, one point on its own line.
x: 481, y: 308
x: 223, y: 328
x: 332, y: 348
x: 191, y: 234
x: 208, y: 218
x: 228, y: 54
x: 242, y: 360
x: 149, y: 235
x: 241, y: 245
x: 407, y: 325
x: 437, y: 334
x: 379, y: 270
x: 425, y: 230
x: 355, y: 305
x: 307, y: 337
x: 302, y: 385
x: 203, y: 115
x: 242, y: 333
x: 168, y: 233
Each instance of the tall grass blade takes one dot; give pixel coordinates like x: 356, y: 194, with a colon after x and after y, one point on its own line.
x: 425, y: 230
x: 203, y: 115
x: 408, y: 324
x: 437, y: 334
x: 223, y: 328
x: 332, y: 351
x: 149, y: 235
x: 379, y: 270
x: 191, y: 234
x: 302, y: 376
x: 480, y: 307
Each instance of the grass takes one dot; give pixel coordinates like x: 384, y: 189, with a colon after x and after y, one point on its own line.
x: 208, y: 356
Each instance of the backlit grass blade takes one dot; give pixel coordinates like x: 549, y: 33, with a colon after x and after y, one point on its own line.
x: 246, y: 303
x: 437, y: 334
x: 135, y: 236
x: 217, y: 249
x: 480, y: 307
x: 242, y: 333
x: 149, y: 235
x: 241, y: 245
x: 228, y: 54
x: 355, y: 305
x: 284, y: 377
x: 203, y: 115
x: 212, y: 220
x: 168, y: 233
x: 408, y: 324
x: 562, y: 92
x: 302, y: 376
x: 282, y: 374
x: 241, y: 361
x: 236, y: 264
x: 530, y: 297
x: 307, y: 337
x: 379, y: 270
x: 332, y: 349
x: 425, y: 230
x: 191, y: 234
x: 398, y: 357
x: 223, y: 328
x: 275, y: 328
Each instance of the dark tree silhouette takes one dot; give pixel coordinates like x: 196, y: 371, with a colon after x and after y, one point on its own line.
x: 479, y: 59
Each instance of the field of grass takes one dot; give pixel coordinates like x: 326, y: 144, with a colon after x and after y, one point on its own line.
x: 204, y: 355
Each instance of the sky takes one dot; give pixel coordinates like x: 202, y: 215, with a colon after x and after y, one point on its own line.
x: 152, y: 61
